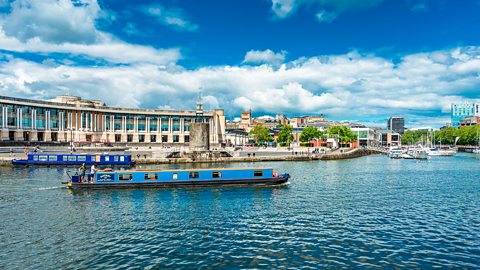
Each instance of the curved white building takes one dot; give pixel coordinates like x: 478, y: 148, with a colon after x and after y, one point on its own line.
x: 69, y: 118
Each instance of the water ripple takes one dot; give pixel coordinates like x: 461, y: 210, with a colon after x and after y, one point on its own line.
x: 364, y: 213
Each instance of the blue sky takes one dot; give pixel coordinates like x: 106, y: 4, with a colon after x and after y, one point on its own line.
x: 360, y: 60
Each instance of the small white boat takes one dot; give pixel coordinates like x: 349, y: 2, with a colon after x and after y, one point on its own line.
x: 417, y: 152
x: 395, y: 152
x: 433, y: 151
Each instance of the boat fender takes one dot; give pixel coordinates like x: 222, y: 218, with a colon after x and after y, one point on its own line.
x: 108, y: 170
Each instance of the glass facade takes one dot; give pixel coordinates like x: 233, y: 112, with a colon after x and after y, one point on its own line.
x: 142, y: 123
x: 153, y: 123
x: 176, y: 124
x: 165, y: 122
x: 186, y: 124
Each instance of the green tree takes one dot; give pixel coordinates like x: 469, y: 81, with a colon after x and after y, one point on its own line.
x: 260, y: 134
x: 344, y: 134
x: 411, y: 137
x: 309, y: 133
x: 285, y: 135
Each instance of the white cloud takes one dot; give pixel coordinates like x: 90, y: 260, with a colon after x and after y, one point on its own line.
x: 47, y: 20
x: 264, y: 57
x: 325, y: 16
x: 284, y: 8
x: 173, y: 17
x: 349, y: 86
x: 44, y: 27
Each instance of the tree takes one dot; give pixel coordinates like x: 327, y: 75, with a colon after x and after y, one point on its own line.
x: 285, y: 135
x: 261, y: 133
x: 309, y: 133
x: 344, y: 134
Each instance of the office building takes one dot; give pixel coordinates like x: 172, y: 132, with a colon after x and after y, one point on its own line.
x: 72, y: 119
x: 396, y: 124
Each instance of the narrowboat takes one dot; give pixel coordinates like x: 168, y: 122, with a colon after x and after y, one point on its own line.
x: 76, y: 159
x: 106, y: 179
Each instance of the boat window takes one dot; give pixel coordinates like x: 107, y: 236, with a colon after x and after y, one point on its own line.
x: 193, y: 175
x: 82, y: 158
x: 52, y: 158
x: 175, y: 176
x: 122, y: 158
x: 216, y: 174
x: 257, y: 173
x: 65, y: 158
x: 125, y: 176
x: 35, y: 157
x: 107, y: 158
x: 43, y: 158
x: 72, y: 158
x: 151, y: 176
x: 115, y: 158
x: 97, y: 158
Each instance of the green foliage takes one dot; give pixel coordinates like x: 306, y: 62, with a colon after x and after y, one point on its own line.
x: 309, y: 133
x: 466, y: 135
x: 306, y: 144
x: 285, y: 135
x: 261, y: 134
x: 344, y: 134
x: 412, y: 137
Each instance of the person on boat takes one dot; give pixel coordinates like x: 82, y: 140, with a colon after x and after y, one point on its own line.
x: 82, y: 170
x: 93, y: 171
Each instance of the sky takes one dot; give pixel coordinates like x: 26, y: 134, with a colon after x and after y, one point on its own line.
x: 360, y: 60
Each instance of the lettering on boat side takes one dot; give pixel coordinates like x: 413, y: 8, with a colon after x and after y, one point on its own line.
x: 105, y: 177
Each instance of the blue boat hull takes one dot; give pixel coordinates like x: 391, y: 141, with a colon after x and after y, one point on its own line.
x: 75, y: 160
x: 282, y: 179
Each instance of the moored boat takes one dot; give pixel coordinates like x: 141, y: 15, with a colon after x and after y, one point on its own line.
x: 395, y: 152
x: 75, y: 159
x: 107, y: 179
x: 433, y: 151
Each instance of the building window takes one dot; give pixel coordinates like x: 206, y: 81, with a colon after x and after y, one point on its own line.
x: 216, y: 174
x: 141, y: 138
x: 118, y: 137
x: 165, y: 121
x: 129, y: 138
x: 164, y: 138
x: 186, y: 124
x: 187, y: 138
x: 125, y: 176
x: 176, y: 124
x: 153, y: 138
x: 176, y: 138
x: 153, y: 123
x: 193, y: 175
x: 151, y: 176
x: 257, y: 173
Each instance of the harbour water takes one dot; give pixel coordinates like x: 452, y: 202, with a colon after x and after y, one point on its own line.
x: 370, y: 212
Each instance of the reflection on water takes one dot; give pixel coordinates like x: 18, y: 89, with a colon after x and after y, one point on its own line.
x: 370, y: 212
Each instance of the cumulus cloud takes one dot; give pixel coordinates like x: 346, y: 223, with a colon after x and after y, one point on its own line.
x: 284, y: 8
x: 47, y: 20
x: 264, y: 57
x: 172, y: 17
x: 43, y: 27
x: 349, y: 86
x: 325, y: 16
